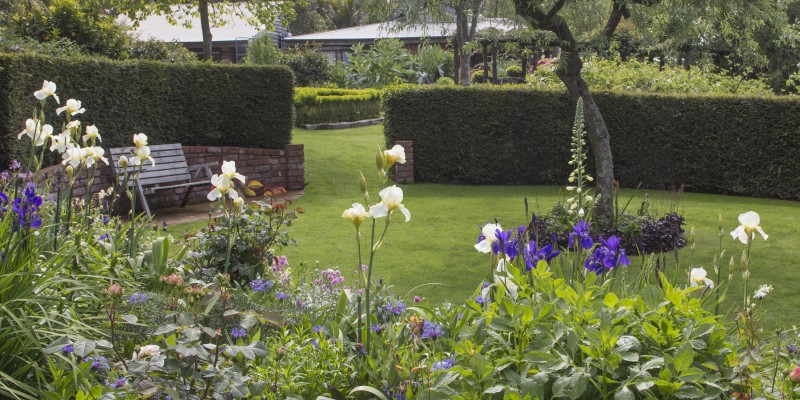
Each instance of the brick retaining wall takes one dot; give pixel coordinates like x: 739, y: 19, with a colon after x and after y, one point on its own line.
x: 272, y: 167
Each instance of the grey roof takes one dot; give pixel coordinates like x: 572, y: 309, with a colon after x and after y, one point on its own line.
x: 388, y: 30
x: 157, y: 27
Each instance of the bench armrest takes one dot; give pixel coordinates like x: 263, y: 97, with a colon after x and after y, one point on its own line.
x: 202, y: 167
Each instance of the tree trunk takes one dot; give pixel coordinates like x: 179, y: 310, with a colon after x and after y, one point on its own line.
x: 569, y: 72
x: 462, y: 37
x: 205, y: 25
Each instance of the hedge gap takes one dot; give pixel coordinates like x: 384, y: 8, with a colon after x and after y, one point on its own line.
x: 193, y: 104
x: 511, y: 135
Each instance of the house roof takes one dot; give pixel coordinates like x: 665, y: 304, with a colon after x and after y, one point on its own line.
x: 387, y: 30
x: 157, y: 27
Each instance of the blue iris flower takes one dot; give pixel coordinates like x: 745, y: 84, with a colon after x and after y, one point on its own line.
x: 581, y: 231
x: 238, y: 333
x: 25, y: 207
x: 445, y: 364
x: 607, y: 256
x: 533, y: 255
x: 431, y: 330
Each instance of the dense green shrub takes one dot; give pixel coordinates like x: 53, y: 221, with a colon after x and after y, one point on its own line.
x: 480, y: 76
x: 262, y: 51
x: 157, y: 50
x: 169, y: 102
x: 315, y: 106
x: 495, y: 135
x: 385, y: 63
x: 606, y: 74
x: 95, y: 31
x: 445, y: 80
x: 309, y: 64
x: 514, y: 71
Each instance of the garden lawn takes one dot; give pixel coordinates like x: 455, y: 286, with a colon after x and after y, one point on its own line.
x: 432, y: 256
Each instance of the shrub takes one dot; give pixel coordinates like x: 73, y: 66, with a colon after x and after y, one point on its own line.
x: 309, y: 64
x: 706, y: 142
x: 514, y: 71
x: 605, y: 74
x: 445, y: 80
x: 142, y: 97
x: 480, y: 77
x: 315, y: 106
x: 385, y: 63
x: 263, y: 51
x: 156, y: 50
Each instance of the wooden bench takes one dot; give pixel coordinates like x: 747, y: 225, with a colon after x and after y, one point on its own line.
x: 170, y: 172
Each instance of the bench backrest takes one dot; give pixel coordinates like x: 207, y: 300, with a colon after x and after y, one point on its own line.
x: 170, y: 165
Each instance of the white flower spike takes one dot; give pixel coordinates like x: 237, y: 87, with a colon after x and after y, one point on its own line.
x: 749, y: 224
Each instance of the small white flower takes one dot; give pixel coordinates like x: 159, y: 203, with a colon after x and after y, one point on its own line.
x: 72, y: 108
x: 59, y: 143
x: 762, y: 292
x: 749, y: 225
x: 48, y: 89
x: 391, y: 199
x: 395, y: 154
x: 356, y: 214
x: 488, y: 231
x: 150, y: 350
x: 140, y: 140
x: 73, y: 156
x: 229, y: 171
x: 142, y: 154
x: 91, y: 134
x: 222, y: 186
x: 38, y: 133
x: 697, y: 276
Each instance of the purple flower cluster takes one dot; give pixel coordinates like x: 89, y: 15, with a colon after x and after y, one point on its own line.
x: 377, y: 328
x: 238, y: 332
x: 68, y: 349
x: 118, y: 383
x: 321, y: 329
x: 25, y: 207
x: 533, y: 254
x: 431, y: 330
x: 397, y: 307
x: 445, y: 364
x: 607, y: 256
x: 480, y: 300
x: 99, y: 363
x: 281, y: 296
x: 279, y: 262
x: 329, y: 279
x: 260, y: 285
x: 137, y: 298
x: 511, y: 246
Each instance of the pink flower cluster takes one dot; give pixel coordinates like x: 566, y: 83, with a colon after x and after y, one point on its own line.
x: 329, y: 279
x: 278, y: 263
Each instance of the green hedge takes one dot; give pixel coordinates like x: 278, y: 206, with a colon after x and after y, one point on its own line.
x: 499, y: 135
x: 193, y: 104
x: 321, y: 105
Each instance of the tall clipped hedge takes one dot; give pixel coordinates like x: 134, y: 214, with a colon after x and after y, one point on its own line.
x: 710, y: 143
x: 193, y: 104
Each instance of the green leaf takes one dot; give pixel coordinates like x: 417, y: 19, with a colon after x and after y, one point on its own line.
x: 611, y: 300
x: 494, y: 389
x: 683, y: 358
x: 138, y: 367
x: 84, y: 347
x: 169, y: 328
x: 375, y: 392
x: 624, y: 394
x: 130, y: 318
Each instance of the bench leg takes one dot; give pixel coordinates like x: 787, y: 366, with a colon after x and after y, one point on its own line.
x: 144, y: 200
x: 186, y: 196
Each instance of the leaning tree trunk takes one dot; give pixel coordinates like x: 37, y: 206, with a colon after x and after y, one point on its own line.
x: 569, y: 72
x: 205, y: 26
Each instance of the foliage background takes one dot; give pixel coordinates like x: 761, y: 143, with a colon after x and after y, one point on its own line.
x: 194, y: 104
x: 499, y: 135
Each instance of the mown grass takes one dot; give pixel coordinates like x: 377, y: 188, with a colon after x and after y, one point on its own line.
x: 436, y: 246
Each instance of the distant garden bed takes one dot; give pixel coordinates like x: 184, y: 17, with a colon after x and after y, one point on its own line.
x: 322, y: 105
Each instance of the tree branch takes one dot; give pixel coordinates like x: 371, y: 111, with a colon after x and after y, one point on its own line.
x: 554, y: 10
x: 618, y: 11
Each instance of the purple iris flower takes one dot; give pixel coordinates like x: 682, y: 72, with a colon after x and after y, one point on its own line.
x: 503, y: 239
x: 614, y: 255
x: 445, y: 364
x: 480, y: 300
x: 377, y: 328
x: 607, y: 256
x: 3, y: 201
x: 533, y: 255
x: 431, y: 330
x: 238, y: 333
x: 67, y: 349
x: 281, y: 296
x: 581, y: 231
x: 25, y: 207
